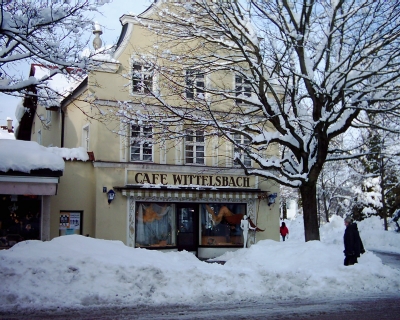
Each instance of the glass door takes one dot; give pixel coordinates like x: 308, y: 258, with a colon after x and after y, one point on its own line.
x: 187, y: 227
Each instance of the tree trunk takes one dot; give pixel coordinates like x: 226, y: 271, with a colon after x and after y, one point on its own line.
x: 309, y: 199
x: 382, y: 185
x: 284, y: 210
x: 324, y: 201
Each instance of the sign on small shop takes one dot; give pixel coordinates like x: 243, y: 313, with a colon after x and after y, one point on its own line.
x: 70, y: 221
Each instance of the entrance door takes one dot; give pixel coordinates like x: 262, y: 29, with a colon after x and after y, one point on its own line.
x: 188, y: 218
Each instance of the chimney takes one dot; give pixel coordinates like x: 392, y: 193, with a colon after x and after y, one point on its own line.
x: 9, y: 125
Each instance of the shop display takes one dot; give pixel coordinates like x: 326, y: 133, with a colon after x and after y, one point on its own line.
x: 20, y: 219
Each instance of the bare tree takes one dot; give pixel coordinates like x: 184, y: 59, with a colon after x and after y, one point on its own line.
x: 303, y: 72
x: 42, y: 32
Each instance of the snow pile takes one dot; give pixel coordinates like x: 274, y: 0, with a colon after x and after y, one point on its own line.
x: 70, y: 154
x: 25, y: 156
x: 4, y: 134
x: 374, y: 236
x: 371, y: 230
x: 76, y: 271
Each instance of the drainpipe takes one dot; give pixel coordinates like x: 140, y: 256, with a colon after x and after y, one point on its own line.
x: 62, y: 127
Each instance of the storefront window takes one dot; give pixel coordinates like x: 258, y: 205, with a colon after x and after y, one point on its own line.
x: 220, y: 224
x: 20, y: 219
x: 155, y: 225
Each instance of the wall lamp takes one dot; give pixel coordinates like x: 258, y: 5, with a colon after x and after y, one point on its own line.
x: 110, y: 195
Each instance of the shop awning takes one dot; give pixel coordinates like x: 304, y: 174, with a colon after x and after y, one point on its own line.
x: 190, y: 193
x: 27, y: 185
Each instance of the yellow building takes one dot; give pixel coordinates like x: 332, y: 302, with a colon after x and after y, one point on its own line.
x: 182, y: 193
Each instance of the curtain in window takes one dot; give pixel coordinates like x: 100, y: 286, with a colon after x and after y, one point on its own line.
x: 155, y: 225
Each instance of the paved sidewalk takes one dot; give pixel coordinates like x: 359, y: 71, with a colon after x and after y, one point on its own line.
x: 390, y: 259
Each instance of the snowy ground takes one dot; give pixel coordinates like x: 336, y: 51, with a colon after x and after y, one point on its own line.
x: 371, y: 231
x: 79, y: 272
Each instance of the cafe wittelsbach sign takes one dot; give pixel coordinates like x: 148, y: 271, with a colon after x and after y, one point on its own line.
x: 191, y: 179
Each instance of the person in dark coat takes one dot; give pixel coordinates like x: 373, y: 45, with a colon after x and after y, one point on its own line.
x: 353, y: 246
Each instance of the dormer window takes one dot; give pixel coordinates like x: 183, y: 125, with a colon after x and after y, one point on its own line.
x: 142, y: 78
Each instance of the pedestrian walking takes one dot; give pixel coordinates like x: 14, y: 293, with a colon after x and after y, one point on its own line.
x: 353, y: 246
x: 284, y: 231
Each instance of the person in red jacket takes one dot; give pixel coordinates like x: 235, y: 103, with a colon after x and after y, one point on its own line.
x: 284, y: 231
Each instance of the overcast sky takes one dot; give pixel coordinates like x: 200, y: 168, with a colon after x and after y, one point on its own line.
x: 109, y: 20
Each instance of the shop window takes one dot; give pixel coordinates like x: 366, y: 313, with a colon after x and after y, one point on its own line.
x: 242, y: 88
x: 20, y: 219
x: 155, y: 225
x: 194, y: 147
x: 241, y: 140
x: 220, y: 224
x: 142, y: 78
x: 141, y: 143
x: 194, y: 84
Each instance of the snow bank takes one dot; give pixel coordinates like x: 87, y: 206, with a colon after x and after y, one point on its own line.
x: 76, y: 271
x: 4, y: 134
x: 25, y: 156
x: 371, y: 230
x: 374, y: 236
x: 70, y: 154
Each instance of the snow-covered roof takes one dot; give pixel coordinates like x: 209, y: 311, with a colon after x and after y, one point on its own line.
x: 79, y: 154
x: 4, y: 134
x: 25, y: 156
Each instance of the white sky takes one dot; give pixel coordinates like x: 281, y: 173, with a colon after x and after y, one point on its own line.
x: 109, y: 20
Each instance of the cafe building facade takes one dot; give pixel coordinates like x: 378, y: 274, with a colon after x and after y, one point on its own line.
x: 180, y: 194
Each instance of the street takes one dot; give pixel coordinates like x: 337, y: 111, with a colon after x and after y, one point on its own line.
x: 368, y: 307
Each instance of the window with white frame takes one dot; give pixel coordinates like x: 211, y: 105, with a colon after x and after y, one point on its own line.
x: 194, y: 147
x: 195, y: 83
x: 242, y: 88
x: 142, y: 78
x: 241, y: 142
x: 141, y: 143
x: 85, y: 137
x: 48, y: 116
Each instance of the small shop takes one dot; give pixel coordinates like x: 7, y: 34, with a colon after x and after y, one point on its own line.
x: 29, y: 177
x: 202, y: 219
x: 25, y: 208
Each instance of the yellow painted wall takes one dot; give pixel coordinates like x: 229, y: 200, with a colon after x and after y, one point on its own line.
x: 111, y: 219
x: 76, y: 193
